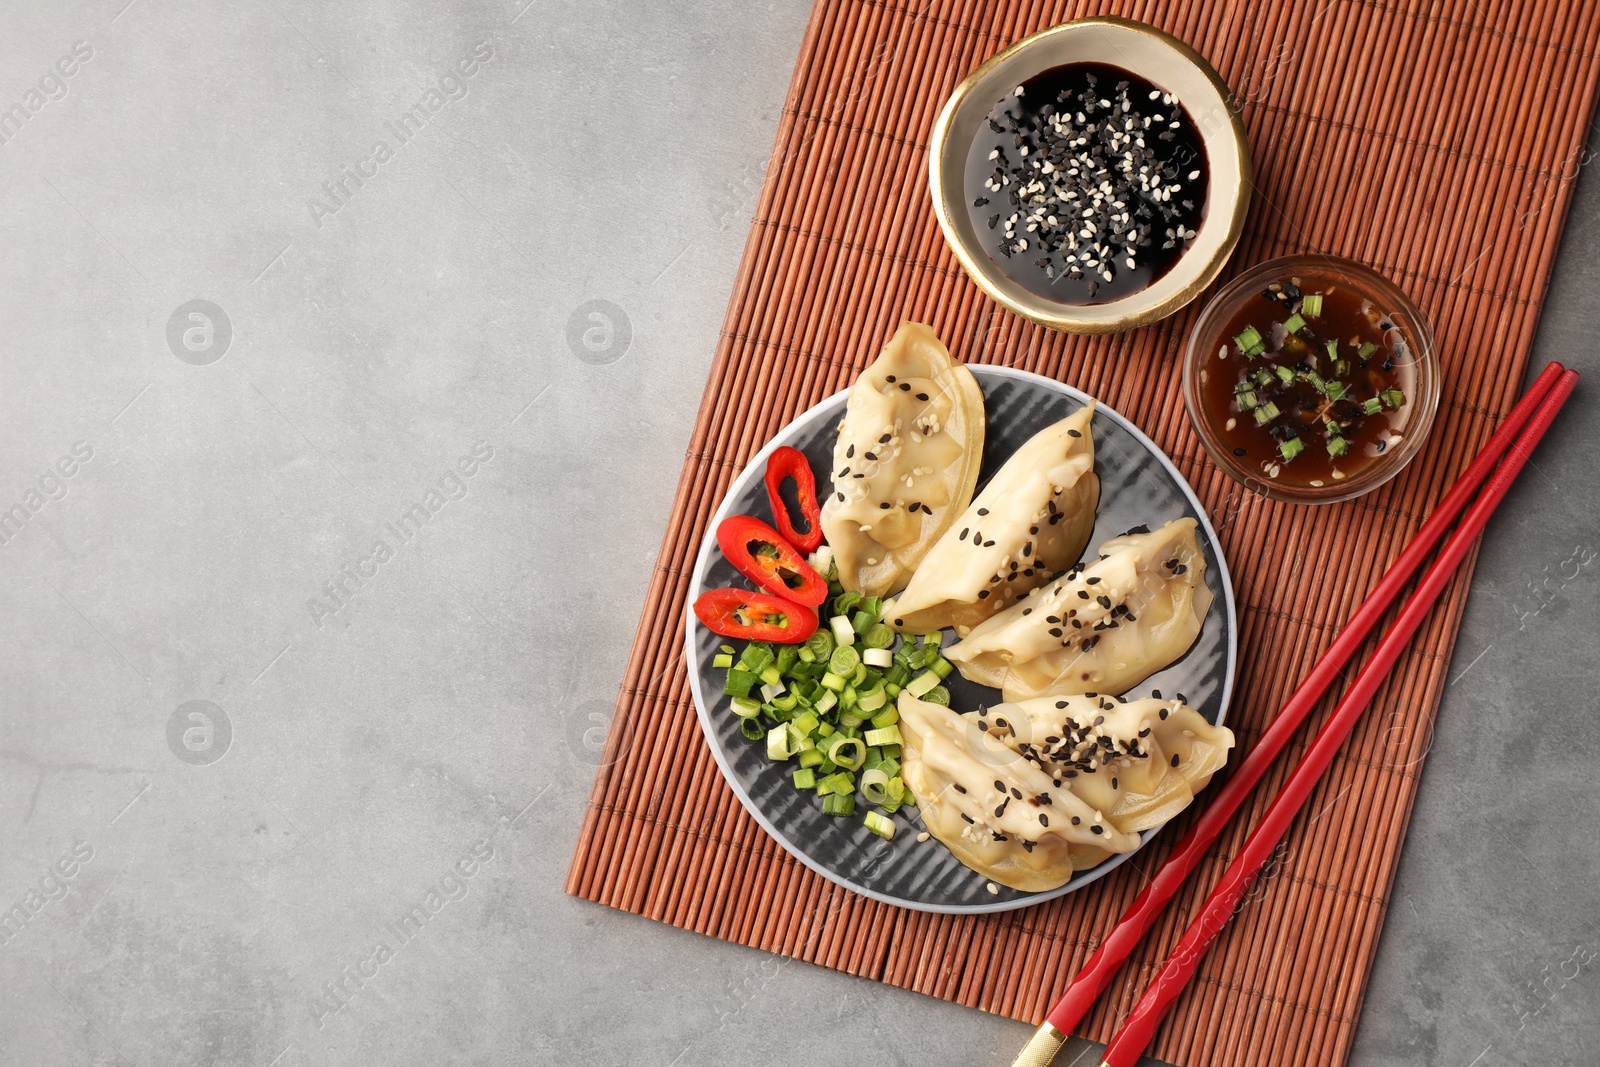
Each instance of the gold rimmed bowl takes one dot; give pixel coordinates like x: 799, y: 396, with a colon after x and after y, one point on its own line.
x: 1151, y: 56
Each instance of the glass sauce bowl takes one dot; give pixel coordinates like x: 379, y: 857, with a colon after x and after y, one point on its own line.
x: 1406, y: 346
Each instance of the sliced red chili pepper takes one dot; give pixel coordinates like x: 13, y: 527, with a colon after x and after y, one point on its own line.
x: 786, y: 463
x: 763, y: 556
x: 756, y: 616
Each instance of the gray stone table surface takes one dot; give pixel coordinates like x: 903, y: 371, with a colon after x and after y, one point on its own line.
x: 338, y: 509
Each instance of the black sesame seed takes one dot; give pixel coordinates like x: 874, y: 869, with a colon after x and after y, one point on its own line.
x: 922, y: 396
x: 960, y: 788
x: 1097, y: 829
x: 1174, y: 759
x: 1074, y: 433
x: 1076, y: 821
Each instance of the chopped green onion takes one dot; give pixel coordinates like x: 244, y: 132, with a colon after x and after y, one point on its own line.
x: 1341, y: 368
x: 1366, y: 350
x: 1294, y: 324
x: 875, y: 786
x: 778, y: 744
x: 1333, y: 350
x: 888, y: 735
x: 877, y: 657
x: 938, y: 695
x: 1338, y: 446
x: 1334, y: 390
x: 729, y: 649
x: 886, y: 717
x: 805, y: 778
x: 922, y: 683
x: 879, y: 824
x: 751, y: 728
x: 810, y: 758
x: 826, y: 701
x: 771, y: 692
x: 1285, y: 375
x: 873, y: 699
x: 843, y: 632
x: 942, y: 667
x: 844, y: 661
x: 833, y: 681
x: 864, y: 619
x: 844, y: 603
x: 722, y: 659
x: 839, y: 804
x: 1317, y: 381
x: 1266, y: 413
x: 770, y: 675
x: 820, y: 644
x: 881, y: 636
x: 1249, y: 341
x: 739, y: 683
x: 1247, y: 400
x: 807, y: 723
x: 1291, y: 448
x: 1311, y: 306
x: 1371, y: 406
x: 1392, y: 397
x: 757, y: 657
x: 846, y: 752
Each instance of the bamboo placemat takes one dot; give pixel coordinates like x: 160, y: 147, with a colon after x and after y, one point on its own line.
x: 1435, y: 142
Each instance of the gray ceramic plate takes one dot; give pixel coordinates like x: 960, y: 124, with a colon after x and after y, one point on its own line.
x: 1138, y: 484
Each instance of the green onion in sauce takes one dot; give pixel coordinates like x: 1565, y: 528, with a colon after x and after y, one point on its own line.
x: 1311, y: 382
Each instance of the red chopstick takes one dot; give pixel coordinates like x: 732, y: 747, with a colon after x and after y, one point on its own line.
x: 1140, y: 1025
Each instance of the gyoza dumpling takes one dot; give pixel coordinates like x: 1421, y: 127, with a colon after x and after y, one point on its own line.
x: 997, y: 812
x: 1102, y: 629
x: 1138, y: 762
x: 905, y: 463
x: 1028, y: 525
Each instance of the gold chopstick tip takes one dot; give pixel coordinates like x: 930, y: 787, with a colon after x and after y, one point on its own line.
x: 1041, y: 1048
